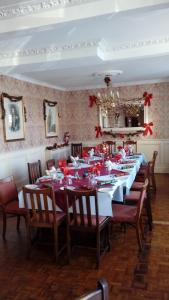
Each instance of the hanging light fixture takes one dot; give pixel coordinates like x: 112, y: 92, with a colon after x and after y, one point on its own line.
x: 110, y: 102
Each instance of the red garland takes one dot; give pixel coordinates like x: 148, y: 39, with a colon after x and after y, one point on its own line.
x: 148, y: 129
x: 92, y: 100
x: 98, y: 131
x: 147, y: 97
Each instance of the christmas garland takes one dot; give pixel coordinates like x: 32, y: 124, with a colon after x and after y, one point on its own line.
x: 123, y: 135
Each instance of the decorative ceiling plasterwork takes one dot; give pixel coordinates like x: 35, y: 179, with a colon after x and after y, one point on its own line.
x: 39, y: 6
x: 48, y: 50
x: 83, y: 45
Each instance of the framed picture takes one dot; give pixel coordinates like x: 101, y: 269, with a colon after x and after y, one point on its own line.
x: 50, y: 111
x: 14, y: 117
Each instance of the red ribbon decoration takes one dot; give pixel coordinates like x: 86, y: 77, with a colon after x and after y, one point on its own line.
x: 147, y: 97
x: 92, y: 100
x: 98, y: 131
x: 148, y: 129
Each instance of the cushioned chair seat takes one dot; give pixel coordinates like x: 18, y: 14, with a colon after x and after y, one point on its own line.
x: 134, y: 195
x: 93, y: 220
x: 13, y: 208
x: 137, y: 185
x: 124, y: 213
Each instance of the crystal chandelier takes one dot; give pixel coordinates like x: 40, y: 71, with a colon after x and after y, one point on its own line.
x: 110, y: 102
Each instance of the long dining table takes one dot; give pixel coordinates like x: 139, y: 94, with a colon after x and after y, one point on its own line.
x: 110, y: 184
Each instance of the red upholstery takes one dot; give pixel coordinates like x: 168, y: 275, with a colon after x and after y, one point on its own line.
x: 137, y: 185
x: 13, y: 208
x: 134, y: 195
x: 124, y: 213
x: 8, y: 192
x: 93, y: 219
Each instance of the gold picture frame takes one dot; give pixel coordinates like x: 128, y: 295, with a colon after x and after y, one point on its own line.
x: 51, y: 118
x: 14, y: 117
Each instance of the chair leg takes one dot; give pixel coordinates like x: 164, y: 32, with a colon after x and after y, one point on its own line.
x: 153, y: 182
x: 139, y: 237
x: 98, y: 250
x: 28, y: 242
x: 4, y: 226
x: 18, y: 222
x: 56, y: 243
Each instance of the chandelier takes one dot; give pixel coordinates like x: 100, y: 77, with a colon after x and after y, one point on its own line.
x: 111, y: 103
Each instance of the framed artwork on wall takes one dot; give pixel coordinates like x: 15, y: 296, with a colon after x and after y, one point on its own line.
x: 14, y: 117
x: 50, y: 112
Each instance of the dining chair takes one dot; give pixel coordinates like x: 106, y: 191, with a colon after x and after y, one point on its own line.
x: 131, y: 214
x: 134, y: 143
x: 111, y: 146
x: 150, y: 166
x: 100, y: 293
x: 50, y: 163
x: 9, y: 202
x: 34, y: 171
x: 81, y: 218
x: 76, y: 149
x: 41, y: 213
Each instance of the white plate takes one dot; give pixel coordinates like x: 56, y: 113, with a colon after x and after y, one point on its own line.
x: 105, y: 189
x: 31, y: 186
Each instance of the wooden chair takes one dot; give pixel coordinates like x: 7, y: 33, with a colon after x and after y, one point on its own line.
x: 50, y: 163
x: 150, y: 167
x: 84, y: 221
x: 111, y: 146
x: 76, y: 150
x: 41, y: 213
x: 9, y: 203
x: 131, y: 214
x: 34, y: 171
x: 134, y: 143
x: 101, y: 293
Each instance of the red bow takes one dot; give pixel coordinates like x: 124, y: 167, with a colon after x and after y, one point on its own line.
x: 92, y: 100
x: 98, y: 131
x: 148, y: 128
x: 147, y: 97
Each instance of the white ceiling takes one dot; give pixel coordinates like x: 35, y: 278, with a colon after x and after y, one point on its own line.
x: 62, y: 43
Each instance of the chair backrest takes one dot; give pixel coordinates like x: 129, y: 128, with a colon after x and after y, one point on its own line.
x: 8, y: 190
x: 142, y: 197
x: 134, y: 143
x: 34, y: 171
x: 41, y: 203
x: 76, y: 149
x: 50, y: 163
x: 101, y: 293
x: 81, y: 207
x: 111, y: 146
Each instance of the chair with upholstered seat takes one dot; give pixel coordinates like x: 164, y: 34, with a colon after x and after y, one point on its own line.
x: 129, y: 214
x: 41, y: 213
x: 9, y: 202
x: 76, y: 149
x: 111, y: 146
x: 86, y: 219
x: 101, y: 293
x: 133, y: 143
x: 34, y: 171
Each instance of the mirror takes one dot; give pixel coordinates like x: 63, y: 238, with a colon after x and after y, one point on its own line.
x: 130, y: 117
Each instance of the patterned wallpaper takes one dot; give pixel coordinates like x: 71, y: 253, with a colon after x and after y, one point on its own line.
x: 82, y: 119
x: 33, y: 96
x: 76, y: 115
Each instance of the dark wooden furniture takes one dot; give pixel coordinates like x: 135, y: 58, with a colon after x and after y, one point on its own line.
x: 50, y: 163
x: 132, y: 214
x: 134, y: 143
x: 34, y: 171
x: 76, y: 150
x: 101, y: 293
x: 83, y: 220
x: 41, y: 215
x: 111, y: 146
x: 9, y: 203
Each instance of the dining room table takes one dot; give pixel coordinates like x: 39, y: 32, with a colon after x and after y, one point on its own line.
x: 92, y: 174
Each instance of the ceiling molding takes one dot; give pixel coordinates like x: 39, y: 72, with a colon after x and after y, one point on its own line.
x: 52, y: 53
x: 38, y: 6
